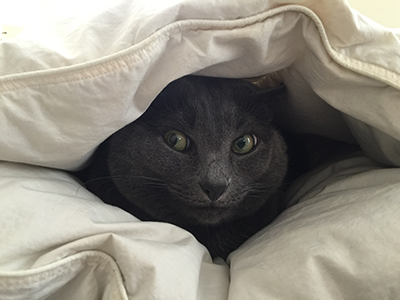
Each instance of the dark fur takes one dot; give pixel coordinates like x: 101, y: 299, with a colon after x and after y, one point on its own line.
x: 136, y: 170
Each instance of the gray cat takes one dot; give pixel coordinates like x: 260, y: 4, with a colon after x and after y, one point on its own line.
x: 205, y: 156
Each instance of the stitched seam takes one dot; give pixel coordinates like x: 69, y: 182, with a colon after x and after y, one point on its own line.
x: 85, y: 70
x: 134, y: 54
x: 33, y: 279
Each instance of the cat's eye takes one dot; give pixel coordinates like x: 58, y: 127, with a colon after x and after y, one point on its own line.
x: 244, y: 144
x: 176, y: 140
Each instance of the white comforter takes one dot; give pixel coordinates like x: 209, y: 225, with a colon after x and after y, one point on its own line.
x: 91, y: 67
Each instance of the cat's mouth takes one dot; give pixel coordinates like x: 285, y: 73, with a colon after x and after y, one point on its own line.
x: 197, y: 207
x: 211, y: 215
x: 213, y: 212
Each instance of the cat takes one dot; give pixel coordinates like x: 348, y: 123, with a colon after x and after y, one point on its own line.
x: 205, y: 156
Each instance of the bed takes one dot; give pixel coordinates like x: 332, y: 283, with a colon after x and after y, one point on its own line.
x: 70, y: 82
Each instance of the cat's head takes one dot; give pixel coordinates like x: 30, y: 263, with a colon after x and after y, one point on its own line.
x: 205, y: 152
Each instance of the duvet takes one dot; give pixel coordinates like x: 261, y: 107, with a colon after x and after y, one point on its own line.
x: 91, y: 67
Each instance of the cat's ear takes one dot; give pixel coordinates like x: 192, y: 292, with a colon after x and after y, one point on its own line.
x: 273, y: 92
x: 271, y: 98
x: 271, y: 84
x: 269, y: 102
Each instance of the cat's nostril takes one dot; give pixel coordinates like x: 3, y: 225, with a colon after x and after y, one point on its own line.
x: 214, y: 191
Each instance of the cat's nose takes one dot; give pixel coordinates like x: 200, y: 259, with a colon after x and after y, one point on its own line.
x: 214, y: 190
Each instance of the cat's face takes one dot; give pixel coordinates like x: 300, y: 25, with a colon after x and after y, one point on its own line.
x: 205, y: 152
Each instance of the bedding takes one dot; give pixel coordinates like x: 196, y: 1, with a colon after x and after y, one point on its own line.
x: 72, y: 79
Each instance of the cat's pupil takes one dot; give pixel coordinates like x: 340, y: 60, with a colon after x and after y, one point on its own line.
x: 176, y: 140
x: 173, y: 139
x: 241, y: 143
x: 244, y: 144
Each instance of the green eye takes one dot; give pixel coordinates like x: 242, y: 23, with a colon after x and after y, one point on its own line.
x: 244, y: 144
x: 176, y: 140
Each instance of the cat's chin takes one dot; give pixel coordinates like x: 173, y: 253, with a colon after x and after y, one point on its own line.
x: 211, y: 215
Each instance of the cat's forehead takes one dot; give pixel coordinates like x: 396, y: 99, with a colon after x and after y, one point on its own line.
x: 210, y: 106
x: 211, y: 103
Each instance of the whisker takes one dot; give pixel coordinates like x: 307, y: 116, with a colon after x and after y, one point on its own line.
x: 144, y: 179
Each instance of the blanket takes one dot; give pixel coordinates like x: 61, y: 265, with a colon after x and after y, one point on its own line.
x: 91, y: 67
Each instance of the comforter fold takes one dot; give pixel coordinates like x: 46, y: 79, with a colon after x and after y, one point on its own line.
x: 89, y: 68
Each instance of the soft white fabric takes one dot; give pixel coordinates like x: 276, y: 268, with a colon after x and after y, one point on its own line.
x: 70, y: 84
x: 60, y: 241
x: 70, y: 81
x: 340, y: 242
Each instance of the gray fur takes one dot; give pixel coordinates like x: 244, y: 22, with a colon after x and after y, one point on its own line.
x: 220, y: 196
